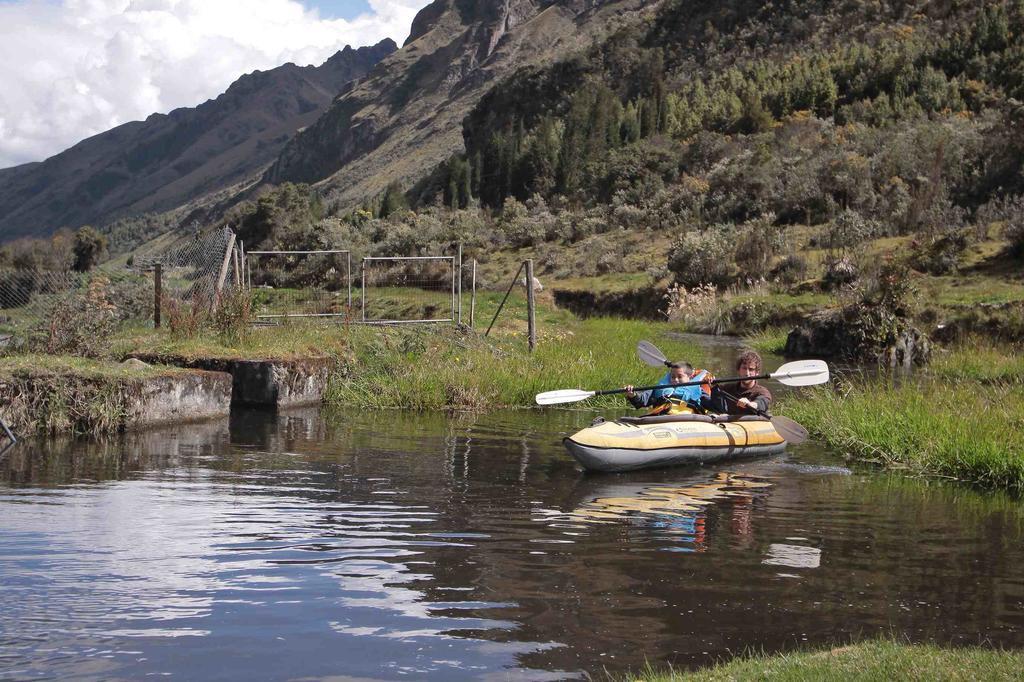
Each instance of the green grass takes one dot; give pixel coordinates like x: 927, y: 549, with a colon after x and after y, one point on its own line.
x: 770, y: 340
x: 981, y: 361
x: 867, y: 661
x: 966, y: 432
x: 68, y: 365
x: 450, y: 370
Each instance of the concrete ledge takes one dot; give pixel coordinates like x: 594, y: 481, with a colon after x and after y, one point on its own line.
x: 59, y: 398
x: 187, y: 396
x: 280, y: 384
x: 264, y: 383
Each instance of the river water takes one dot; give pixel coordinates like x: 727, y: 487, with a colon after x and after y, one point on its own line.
x: 388, y: 545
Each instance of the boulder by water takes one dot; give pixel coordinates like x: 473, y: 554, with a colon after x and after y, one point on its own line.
x: 845, y: 333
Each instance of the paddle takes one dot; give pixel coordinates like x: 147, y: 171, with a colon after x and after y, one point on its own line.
x: 792, y: 431
x: 799, y: 373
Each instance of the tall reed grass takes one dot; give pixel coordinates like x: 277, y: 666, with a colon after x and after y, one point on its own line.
x: 967, y: 432
x: 450, y: 370
x: 981, y: 360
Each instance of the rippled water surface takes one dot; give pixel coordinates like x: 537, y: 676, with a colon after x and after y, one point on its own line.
x: 385, y: 545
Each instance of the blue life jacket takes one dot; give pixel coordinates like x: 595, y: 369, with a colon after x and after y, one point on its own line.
x: 688, y: 394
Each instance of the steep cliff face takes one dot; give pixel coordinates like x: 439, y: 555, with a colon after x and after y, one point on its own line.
x: 406, y: 116
x: 167, y: 160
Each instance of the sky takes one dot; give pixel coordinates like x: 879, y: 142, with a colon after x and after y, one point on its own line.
x: 70, y: 69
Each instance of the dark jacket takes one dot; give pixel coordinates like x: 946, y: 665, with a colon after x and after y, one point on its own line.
x: 757, y: 393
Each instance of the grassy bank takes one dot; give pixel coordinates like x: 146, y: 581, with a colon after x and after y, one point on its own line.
x: 445, y: 369
x: 878, y: 660
x: 967, y: 431
x: 62, y: 394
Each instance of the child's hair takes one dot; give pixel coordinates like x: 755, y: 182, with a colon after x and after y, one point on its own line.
x: 685, y: 366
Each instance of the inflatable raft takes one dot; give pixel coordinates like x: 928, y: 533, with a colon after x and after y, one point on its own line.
x: 645, y: 442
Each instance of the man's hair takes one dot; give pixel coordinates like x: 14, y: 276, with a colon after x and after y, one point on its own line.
x: 685, y: 366
x: 749, y: 357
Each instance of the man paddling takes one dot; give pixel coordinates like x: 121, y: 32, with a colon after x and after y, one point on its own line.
x: 751, y: 397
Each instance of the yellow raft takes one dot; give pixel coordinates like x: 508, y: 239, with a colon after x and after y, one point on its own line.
x: 645, y: 442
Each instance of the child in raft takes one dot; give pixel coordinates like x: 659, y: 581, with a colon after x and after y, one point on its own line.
x: 678, y: 373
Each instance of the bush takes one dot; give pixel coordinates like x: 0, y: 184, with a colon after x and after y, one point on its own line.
x: 697, y: 308
x: 233, y: 317
x: 133, y: 297
x: 939, y: 255
x: 848, y: 230
x: 758, y: 242
x: 185, y: 319
x: 81, y: 323
x: 791, y: 269
x: 700, y: 258
x: 1014, y: 233
x: 839, y: 271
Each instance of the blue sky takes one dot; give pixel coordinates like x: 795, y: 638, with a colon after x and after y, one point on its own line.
x: 339, y: 9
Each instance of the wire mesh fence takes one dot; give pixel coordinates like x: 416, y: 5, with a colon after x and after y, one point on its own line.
x: 199, y: 269
x: 409, y: 289
x: 30, y: 299
x: 196, y: 272
x: 300, y: 284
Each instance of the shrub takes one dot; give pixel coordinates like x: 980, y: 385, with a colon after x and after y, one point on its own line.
x: 697, y: 308
x: 233, y: 317
x: 791, y: 269
x: 133, y: 297
x: 939, y: 255
x: 839, y: 271
x: 702, y: 258
x: 517, y: 226
x: 80, y: 323
x: 758, y: 242
x: 185, y: 319
x: 849, y: 229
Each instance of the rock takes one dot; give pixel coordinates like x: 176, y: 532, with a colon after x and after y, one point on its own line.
x: 840, y: 334
x: 134, y: 363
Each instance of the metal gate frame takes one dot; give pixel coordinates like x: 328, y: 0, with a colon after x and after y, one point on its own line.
x: 348, y: 278
x: 456, y: 277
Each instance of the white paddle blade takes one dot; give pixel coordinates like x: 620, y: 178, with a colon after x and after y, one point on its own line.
x: 566, y: 395
x: 802, y: 373
x: 650, y: 354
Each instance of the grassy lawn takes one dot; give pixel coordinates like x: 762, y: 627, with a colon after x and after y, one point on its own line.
x: 867, y: 661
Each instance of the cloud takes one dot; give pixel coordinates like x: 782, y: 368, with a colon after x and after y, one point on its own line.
x: 75, y: 68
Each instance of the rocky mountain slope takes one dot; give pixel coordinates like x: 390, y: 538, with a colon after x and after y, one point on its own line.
x: 407, y: 115
x: 167, y: 160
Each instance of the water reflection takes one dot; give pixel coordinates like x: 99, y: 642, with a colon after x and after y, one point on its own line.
x: 391, y: 546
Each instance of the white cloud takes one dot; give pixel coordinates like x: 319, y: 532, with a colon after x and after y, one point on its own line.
x: 76, y: 68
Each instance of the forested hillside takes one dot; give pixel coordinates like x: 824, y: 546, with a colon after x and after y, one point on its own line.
x: 721, y: 125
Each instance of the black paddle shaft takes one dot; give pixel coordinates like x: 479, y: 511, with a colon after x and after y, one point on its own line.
x: 730, y: 380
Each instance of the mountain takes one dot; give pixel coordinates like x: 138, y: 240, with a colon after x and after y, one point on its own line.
x: 406, y: 117
x: 165, y: 161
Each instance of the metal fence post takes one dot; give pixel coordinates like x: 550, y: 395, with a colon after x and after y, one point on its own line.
x: 531, y: 322
x: 459, y: 322
x: 472, y: 298
x: 157, y: 293
x: 362, y: 268
x: 348, y: 276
